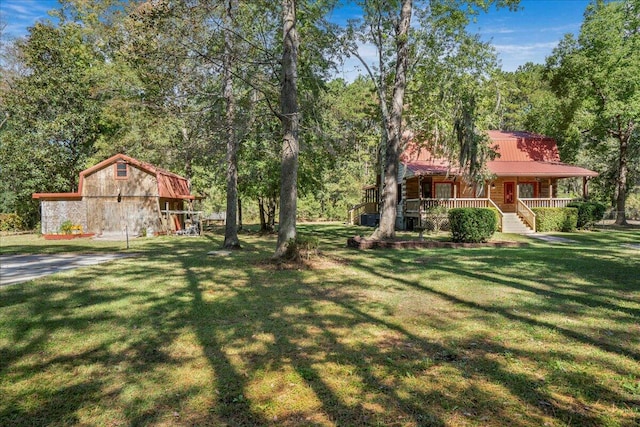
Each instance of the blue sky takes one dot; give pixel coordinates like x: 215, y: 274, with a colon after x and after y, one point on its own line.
x: 531, y: 33
x: 18, y: 15
x: 528, y: 35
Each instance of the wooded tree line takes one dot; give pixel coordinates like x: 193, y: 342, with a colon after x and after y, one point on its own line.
x: 241, y: 97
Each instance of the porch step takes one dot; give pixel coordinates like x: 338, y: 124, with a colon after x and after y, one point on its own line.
x: 511, y: 223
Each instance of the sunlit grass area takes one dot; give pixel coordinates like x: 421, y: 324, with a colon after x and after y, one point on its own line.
x: 544, y: 334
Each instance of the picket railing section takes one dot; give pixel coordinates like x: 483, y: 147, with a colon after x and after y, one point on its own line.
x: 546, y: 203
x: 526, y: 214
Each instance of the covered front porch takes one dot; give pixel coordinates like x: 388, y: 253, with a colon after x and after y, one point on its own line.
x: 428, y: 195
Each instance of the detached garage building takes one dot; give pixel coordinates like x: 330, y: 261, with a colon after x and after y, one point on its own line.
x: 116, y: 193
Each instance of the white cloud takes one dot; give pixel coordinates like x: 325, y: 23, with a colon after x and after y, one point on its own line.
x: 511, y: 49
x: 21, y: 14
x: 567, y: 28
x: 514, y: 55
x: 15, y: 9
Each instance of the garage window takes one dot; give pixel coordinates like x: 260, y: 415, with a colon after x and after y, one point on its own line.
x: 121, y: 170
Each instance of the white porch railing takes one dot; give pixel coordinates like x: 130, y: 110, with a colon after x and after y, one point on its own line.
x: 414, y: 205
x: 418, y: 207
x: 526, y: 214
x: 546, y: 203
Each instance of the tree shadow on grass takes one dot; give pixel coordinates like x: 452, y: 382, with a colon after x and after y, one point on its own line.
x: 108, y: 333
x: 336, y: 356
x: 291, y: 309
x: 304, y: 340
x: 528, y: 389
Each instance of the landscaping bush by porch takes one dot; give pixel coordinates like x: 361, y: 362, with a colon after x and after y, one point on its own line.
x: 588, y: 213
x: 472, y: 225
x: 556, y: 219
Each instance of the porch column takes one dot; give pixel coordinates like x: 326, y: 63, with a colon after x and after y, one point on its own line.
x: 420, y: 201
x: 550, y: 190
x: 585, y: 188
x: 488, y: 187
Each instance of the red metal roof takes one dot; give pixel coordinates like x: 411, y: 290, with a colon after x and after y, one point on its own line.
x: 421, y: 167
x: 170, y: 185
x: 517, y: 153
x: 523, y: 147
x: 539, y: 169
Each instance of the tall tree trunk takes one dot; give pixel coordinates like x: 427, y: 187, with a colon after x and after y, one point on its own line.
x: 388, y: 212
x: 290, y: 125
x: 621, y: 181
x: 271, y: 213
x: 231, y: 228
x: 239, y: 214
x: 263, y: 221
x: 188, y: 166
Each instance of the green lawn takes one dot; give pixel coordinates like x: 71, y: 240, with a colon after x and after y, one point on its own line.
x: 541, y: 335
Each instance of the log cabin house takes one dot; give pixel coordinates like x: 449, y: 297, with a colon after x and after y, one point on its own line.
x: 121, y: 193
x: 525, y: 175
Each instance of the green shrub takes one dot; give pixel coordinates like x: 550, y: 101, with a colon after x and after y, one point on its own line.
x: 556, y: 219
x: 11, y: 222
x: 302, y: 246
x: 633, y: 204
x: 66, y: 227
x: 496, y: 212
x: 588, y: 213
x: 472, y: 225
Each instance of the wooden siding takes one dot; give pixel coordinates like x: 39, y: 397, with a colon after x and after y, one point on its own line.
x: 413, y: 188
x: 137, y: 210
x: 103, y: 183
x: 105, y: 215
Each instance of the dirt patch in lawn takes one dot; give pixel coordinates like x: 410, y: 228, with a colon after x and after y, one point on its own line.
x: 314, y: 262
x: 362, y: 243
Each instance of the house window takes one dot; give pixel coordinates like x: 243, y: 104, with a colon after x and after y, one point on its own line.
x: 527, y: 190
x: 121, y: 171
x: 399, y: 193
x: 444, y: 190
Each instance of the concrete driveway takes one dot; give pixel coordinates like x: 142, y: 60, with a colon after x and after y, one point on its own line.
x: 22, y: 268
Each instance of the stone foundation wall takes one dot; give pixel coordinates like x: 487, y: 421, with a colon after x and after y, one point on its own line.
x: 54, y: 213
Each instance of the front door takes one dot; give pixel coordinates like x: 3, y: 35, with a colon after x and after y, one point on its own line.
x: 509, y: 193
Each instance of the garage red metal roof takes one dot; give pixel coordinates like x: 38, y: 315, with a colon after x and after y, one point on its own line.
x: 170, y: 185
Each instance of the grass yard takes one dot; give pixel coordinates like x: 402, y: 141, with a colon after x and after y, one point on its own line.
x: 541, y: 335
